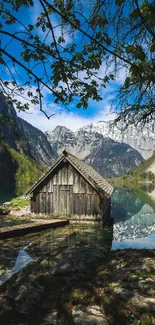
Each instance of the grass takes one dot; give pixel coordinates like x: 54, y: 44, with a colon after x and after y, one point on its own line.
x: 9, y: 221
x: 19, y: 203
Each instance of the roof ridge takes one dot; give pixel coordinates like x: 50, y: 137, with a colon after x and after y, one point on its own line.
x: 88, y: 172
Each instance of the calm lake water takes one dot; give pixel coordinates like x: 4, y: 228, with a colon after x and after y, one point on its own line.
x: 5, y: 197
x: 134, y: 227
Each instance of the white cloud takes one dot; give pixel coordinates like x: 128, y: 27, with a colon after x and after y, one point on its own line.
x: 55, y: 21
x: 70, y: 120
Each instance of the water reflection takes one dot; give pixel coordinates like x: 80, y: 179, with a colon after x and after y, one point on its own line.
x: 125, y: 204
x: 138, y: 243
x: 22, y: 260
x: 74, y: 242
x: 134, y: 227
x: 134, y: 218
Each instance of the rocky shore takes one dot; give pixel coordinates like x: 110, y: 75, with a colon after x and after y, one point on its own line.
x: 82, y: 286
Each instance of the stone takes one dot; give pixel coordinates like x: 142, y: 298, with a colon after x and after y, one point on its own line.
x: 4, y: 305
x: 91, y: 315
x: 22, y: 289
x: 140, y: 302
x: 148, y: 264
x: 4, y: 210
x: 63, y: 268
x: 7, y: 203
x: 44, y: 264
x: 123, y: 293
x: 52, y: 319
x: 147, y: 286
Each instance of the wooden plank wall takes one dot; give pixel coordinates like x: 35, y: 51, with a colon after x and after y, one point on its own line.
x: 66, y: 192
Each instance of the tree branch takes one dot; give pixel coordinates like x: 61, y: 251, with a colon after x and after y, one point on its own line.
x: 86, y: 34
x: 143, y: 20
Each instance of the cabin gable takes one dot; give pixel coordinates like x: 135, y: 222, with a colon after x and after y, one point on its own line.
x: 65, y: 192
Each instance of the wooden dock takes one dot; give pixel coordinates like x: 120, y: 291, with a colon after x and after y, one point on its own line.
x: 39, y: 225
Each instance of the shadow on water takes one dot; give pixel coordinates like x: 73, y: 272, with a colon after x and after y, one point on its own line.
x: 48, y: 244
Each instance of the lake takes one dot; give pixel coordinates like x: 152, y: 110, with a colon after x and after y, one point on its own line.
x: 134, y: 227
x: 134, y: 219
x: 5, y: 197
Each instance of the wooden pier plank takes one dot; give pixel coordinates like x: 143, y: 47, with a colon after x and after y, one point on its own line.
x: 39, y: 225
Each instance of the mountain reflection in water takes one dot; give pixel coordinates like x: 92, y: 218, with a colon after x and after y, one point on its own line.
x: 134, y: 219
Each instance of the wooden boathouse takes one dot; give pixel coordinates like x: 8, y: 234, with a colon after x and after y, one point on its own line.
x: 71, y: 189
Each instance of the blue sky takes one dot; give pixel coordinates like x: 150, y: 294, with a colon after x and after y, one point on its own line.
x: 75, y: 118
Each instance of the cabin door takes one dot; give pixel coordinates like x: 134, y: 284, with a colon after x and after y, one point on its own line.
x: 64, y: 203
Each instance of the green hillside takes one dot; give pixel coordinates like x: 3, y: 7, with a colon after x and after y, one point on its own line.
x: 17, y: 171
x: 141, y: 170
x: 138, y: 177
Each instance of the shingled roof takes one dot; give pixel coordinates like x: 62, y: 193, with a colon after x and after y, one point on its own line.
x: 87, y: 171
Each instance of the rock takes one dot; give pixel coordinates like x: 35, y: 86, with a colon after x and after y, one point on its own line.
x: 147, y: 286
x: 4, y: 305
x: 4, y: 210
x: 142, y: 302
x: 7, y: 203
x: 52, y: 319
x: 11, y: 291
x: 63, y: 268
x: 22, y: 290
x: 109, y: 157
x: 44, y: 264
x: 22, y: 212
x: 148, y: 264
x: 91, y: 315
x: 123, y: 293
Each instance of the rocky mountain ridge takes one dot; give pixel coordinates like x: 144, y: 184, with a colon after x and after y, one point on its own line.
x: 22, y: 136
x: 40, y: 148
x: 140, y: 137
x: 93, y: 143
x: 24, y: 152
x: 109, y: 157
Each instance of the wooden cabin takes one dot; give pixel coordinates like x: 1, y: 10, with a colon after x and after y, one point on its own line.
x: 71, y: 189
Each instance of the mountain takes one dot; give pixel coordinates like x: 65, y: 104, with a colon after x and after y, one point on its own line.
x: 39, y: 146
x: 60, y: 137
x: 145, y: 169
x: 10, y: 128
x: 22, y: 136
x: 24, y: 151
x: 109, y: 157
x: 17, y: 171
x: 140, y: 137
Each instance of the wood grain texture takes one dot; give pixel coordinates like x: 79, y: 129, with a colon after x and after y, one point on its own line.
x: 66, y: 193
